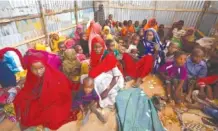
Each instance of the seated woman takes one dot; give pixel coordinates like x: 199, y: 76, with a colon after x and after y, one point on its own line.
x: 108, y: 79
x: 72, y: 68
x: 53, y: 59
x: 54, y: 40
x: 46, y: 97
x: 153, y: 46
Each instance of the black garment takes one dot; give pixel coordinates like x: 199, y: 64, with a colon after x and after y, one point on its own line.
x: 141, y: 48
x: 85, y: 47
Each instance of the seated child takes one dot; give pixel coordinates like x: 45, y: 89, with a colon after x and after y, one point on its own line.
x: 134, y: 43
x: 171, y: 49
x: 174, y: 74
x: 79, y: 50
x: 207, y: 83
x: 87, y: 98
x: 161, y: 32
x: 196, y: 68
x: 62, y: 48
x: 136, y: 25
x: 111, y: 48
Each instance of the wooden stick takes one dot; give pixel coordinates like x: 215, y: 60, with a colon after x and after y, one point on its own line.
x: 7, y: 20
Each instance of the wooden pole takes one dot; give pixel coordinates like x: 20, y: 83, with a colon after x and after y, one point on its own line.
x: 43, y: 22
x: 204, y: 10
x: 76, y: 11
x: 155, y: 7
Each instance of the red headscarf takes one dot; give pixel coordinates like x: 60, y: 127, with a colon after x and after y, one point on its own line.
x: 98, y: 65
x: 152, y: 23
x: 4, y: 50
x: 46, y: 103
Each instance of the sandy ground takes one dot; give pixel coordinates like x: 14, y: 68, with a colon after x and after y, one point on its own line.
x: 152, y: 86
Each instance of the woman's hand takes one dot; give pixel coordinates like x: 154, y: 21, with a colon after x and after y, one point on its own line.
x: 104, y: 94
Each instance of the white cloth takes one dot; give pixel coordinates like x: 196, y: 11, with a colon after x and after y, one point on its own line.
x: 102, y: 82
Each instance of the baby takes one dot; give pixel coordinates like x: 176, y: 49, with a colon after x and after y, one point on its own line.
x: 87, y: 99
x: 79, y: 50
x: 174, y: 74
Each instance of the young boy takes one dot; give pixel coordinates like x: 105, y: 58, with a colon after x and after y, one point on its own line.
x: 196, y: 68
x: 130, y: 27
x: 169, y: 53
x: 87, y: 99
x: 174, y: 74
x: 62, y: 48
x: 79, y: 50
x: 136, y: 25
x: 111, y: 48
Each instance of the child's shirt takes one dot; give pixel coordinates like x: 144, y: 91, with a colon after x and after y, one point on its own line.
x: 116, y: 53
x: 82, y: 99
x: 174, y: 71
x: 196, y: 70
x: 169, y: 58
x: 81, y: 57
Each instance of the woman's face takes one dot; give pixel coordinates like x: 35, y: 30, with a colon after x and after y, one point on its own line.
x: 98, y: 48
x: 38, y: 69
x: 84, y: 37
x: 106, y: 31
x: 150, y: 36
x: 79, y: 30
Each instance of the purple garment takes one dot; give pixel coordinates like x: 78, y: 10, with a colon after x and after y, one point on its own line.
x: 52, y: 59
x: 196, y: 70
x: 82, y: 99
x: 174, y: 71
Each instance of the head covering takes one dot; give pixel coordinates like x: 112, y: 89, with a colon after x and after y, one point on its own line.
x: 42, y: 100
x: 70, y: 43
x: 108, y: 36
x: 152, y: 23
x: 156, y: 37
x: 97, y: 64
x: 95, y: 31
x: 190, y: 34
x: 70, y: 62
x: 53, y: 59
x: 77, y: 34
x: 95, y: 58
x: 4, y: 50
x: 89, y: 28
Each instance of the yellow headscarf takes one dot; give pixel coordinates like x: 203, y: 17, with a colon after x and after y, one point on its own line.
x: 55, y: 42
x: 108, y: 36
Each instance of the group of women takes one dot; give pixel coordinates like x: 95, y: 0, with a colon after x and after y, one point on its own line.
x: 46, y: 97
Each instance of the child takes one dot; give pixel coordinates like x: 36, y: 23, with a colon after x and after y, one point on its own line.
x: 107, y: 33
x: 117, y: 29
x: 130, y: 27
x: 62, y: 48
x: 80, y: 56
x: 169, y: 54
x: 137, y: 27
x: 161, y: 32
x: 111, y: 48
x: 196, y: 68
x: 87, y: 98
x: 124, y: 30
x: 174, y: 74
x: 134, y: 42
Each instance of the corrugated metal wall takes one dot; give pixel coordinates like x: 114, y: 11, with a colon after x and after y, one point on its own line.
x: 21, y: 21
x: 166, y: 12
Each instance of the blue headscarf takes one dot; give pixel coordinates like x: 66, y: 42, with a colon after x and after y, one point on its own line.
x: 7, y: 77
x: 150, y: 45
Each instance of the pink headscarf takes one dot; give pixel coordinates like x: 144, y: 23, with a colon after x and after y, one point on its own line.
x: 95, y: 31
x: 69, y: 43
x: 77, y: 33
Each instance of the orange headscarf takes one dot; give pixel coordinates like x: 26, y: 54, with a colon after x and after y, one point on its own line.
x: 152, y: 23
